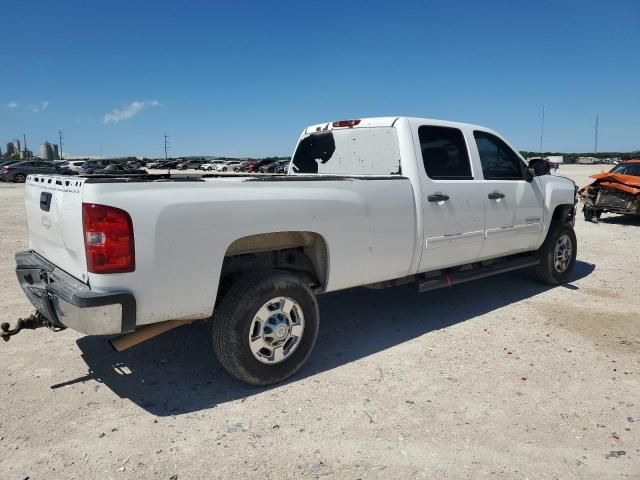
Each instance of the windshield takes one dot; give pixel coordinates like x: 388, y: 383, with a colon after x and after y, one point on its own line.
x: 352, y: 151
x: 627, y: 169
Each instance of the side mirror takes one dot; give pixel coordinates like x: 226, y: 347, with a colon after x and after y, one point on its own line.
x: 529, y: 174
x: 539, y: 167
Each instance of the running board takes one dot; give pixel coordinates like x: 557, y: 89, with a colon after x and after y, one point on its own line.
x: 501, y: 266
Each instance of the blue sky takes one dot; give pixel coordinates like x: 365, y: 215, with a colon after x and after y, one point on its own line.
x: 244, y: 78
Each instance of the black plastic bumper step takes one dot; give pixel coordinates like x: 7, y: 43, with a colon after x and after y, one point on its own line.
x: 500, y: 266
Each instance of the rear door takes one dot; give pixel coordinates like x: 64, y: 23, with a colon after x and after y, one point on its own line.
x: 514, y: 206
x: 452, y: 199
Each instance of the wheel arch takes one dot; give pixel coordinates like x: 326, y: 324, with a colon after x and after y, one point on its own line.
x: 563, y: 213
x: 290, y: 250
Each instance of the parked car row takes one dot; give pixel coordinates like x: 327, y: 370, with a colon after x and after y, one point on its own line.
x: 267, y: 165
x: 18, y: 170
x: 91, y: 167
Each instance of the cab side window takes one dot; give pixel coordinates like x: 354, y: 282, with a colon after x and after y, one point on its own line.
x: 444, y: 153
x: 498, y: 161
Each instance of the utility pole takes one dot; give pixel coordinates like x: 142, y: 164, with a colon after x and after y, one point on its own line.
x: 595, y: 149
x: 60, y: 144
x: 24, y: 154
x: 166, y: 146
x: 541, y: 131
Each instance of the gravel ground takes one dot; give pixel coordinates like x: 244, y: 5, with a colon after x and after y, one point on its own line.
x: 501, y: 378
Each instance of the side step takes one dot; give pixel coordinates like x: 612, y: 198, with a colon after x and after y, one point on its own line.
x: 500, y: 266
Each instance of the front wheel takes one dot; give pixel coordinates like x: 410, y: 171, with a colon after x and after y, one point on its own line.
x: 19, y: 178
x: 557, y: 254
x: 265, y: 327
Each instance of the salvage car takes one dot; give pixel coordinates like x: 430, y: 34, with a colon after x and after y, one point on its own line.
x: 210, y: 166
x: 242, y: 166
x: 227, y: 166
x: 190, y: 164
x: 274, y: 167
x: 374, y: 202
x: 254, y: 167
x: 616, y: 191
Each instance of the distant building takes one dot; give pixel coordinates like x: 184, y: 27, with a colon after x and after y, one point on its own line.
x: 611, y: 160
x: 13, y: 148
x: 56, y: 154
x: 555, y: 159
x: 48, y: 151
x: 587, y: 160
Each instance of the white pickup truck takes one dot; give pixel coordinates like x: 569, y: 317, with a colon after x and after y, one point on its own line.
x: 370, y: 202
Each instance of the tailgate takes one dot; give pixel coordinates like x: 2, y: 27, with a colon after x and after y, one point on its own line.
x: 54, y: 217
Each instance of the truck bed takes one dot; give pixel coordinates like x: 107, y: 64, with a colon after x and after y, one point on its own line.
x: 184, y: 225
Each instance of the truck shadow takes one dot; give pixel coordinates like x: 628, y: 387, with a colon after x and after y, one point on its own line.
x: 177, y: 373
x: 621, y: 220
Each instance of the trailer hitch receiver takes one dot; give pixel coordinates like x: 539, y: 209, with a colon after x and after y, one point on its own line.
x: 35, y: 320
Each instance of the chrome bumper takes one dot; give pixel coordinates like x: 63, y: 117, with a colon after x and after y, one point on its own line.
x: 67, y: 302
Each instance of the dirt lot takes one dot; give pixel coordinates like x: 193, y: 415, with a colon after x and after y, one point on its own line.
x: 501, y: 378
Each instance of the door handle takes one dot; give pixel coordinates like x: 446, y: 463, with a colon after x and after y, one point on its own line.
x: 495, y: 195
x: 438, y: 197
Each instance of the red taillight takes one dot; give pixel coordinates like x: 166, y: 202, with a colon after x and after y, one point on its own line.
x: 108, y: 239
x: 346, y: 123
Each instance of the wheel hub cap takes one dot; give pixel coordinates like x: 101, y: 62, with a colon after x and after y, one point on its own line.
x: 562, y: 254
x: 276, y: 330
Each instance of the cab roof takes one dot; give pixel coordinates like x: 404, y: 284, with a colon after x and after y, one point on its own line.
x: 386, y: 122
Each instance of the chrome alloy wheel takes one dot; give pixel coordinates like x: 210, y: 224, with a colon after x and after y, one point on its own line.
x: 276, y: 330
x: 562, y: 254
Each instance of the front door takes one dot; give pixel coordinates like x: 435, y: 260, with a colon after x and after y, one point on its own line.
x: 513, y: 206
x: 452, y: 200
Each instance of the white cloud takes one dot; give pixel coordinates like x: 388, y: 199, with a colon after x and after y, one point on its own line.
x: 12, y: 104
x: 128, y: 111
x: 38, y: 108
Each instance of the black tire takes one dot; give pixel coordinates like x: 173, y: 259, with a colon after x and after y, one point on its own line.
x: 19, y: 178
x: 548, y: 270
x: 591, y: 213
x: 231, y: 323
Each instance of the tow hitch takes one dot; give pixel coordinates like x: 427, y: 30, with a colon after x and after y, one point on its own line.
x: 35, y: 320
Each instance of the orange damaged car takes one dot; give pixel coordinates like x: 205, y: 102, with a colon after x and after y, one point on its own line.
x: 616, y: 191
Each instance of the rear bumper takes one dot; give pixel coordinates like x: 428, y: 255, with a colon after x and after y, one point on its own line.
x: 67, y: 302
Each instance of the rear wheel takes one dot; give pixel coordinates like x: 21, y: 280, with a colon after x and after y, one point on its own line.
x: 265, y: 327
x: 557, y: 254
x: 19, y: 178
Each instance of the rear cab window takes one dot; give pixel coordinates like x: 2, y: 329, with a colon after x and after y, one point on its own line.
x: 444, y: 153
x: 348, y: 151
